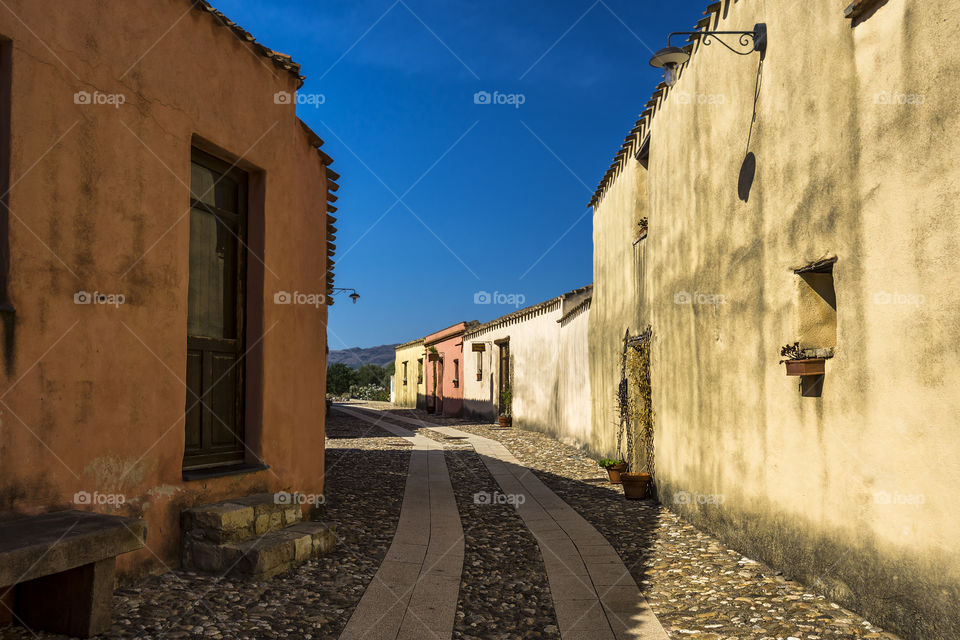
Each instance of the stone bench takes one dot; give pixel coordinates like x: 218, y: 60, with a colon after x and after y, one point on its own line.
x: 59, y: 568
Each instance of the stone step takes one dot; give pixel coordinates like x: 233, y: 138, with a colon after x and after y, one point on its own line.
x: 239, y: 519
x: 263, y: 556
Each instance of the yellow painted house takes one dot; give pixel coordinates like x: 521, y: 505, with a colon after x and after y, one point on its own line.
x: 408, y: 375
x: 805, y: 198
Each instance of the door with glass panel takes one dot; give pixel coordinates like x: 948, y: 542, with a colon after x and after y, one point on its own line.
x: 215, y: 319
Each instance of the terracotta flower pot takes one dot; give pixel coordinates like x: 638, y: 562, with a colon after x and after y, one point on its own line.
x: 505, y: 421
x: 806, y: 367
x: 635, y: 485
x: 615, y: 471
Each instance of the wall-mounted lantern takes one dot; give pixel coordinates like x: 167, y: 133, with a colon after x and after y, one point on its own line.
x: 670, y: 58
x: 353, y: 296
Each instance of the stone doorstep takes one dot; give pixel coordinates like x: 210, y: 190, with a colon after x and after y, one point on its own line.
x: 262, y: 557
x: 238, y: 519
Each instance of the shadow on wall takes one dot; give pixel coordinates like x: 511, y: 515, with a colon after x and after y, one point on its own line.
x: 483, y: 410
x: 452, y: 407
x: 868, y: 13
x: 748, y: 171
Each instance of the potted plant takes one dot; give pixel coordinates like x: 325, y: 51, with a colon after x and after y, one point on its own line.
x: 635, y: 485
x: 433, y: 355
x: 798, y: 364
x: 642, y: 233
x: 614, y: 468
x: 506, y: 398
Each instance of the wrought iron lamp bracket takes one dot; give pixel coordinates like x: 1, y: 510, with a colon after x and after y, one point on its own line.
x: 755, y: 40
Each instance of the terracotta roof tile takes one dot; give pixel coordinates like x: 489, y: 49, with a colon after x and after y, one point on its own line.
x: 646, y: 117
x: 520, y: 313
x: 280, y: 60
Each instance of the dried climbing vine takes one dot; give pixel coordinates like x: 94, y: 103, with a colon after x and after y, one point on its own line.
x: 636, y: 404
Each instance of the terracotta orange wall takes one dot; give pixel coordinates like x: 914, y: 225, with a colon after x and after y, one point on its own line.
x: 95, y: 398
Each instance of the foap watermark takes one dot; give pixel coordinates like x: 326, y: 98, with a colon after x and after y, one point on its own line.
x: 513, y: 499
x: 513, y: 99
x: 285, y: 497
x: 685, y: 297
x: 485, y: 297
x: 896, y: 498
x: 310, y: 99
x: 684, y: 497
x: 98, y: 98
x: 313, y: 299
x: 886, y: 97
x: 685, y: 97
x: 97, y: 498
x: 110, y: 299
x: 909, y: 299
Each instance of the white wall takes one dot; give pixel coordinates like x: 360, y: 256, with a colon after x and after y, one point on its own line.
x: 551, y: 386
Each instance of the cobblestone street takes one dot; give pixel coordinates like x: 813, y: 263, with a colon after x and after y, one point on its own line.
x: 696, y: 587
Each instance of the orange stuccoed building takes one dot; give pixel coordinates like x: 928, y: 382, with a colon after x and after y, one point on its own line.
x: 161, y: 201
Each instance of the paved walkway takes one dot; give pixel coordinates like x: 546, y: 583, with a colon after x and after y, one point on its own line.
x: 594, y: 595
x: 414, y: 594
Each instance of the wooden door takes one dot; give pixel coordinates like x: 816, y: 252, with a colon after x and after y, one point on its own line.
x: 504, y: 376
x: 440, y: 386
x: 215, y: 318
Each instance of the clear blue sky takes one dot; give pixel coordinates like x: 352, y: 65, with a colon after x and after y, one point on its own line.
x: 492, y: 197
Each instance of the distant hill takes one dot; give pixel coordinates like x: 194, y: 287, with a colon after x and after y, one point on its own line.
x: 356, y: 356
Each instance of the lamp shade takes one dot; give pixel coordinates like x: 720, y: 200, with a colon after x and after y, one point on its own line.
x: 669, y: 56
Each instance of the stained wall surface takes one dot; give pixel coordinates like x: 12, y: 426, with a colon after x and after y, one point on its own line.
x: 848, y: 153
x: 94, y: 394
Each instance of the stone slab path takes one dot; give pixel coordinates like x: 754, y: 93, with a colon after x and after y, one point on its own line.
x: 594, y: 595
x: 414, y: 593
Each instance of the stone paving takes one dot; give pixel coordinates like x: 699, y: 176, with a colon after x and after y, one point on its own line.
x: 504, y: 592
x: 414, y: 592
x: 593, y: 593
x: 366, y: 472
x: 696, y: 586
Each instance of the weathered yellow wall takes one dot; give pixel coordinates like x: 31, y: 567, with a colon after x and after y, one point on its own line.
x: 407, y: 393
x: 854, y: 491
x: 616, y: 307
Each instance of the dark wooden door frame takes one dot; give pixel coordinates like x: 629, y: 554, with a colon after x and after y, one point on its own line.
x: 439, y: 401
x: 503, y: 372
x: 200, y: 398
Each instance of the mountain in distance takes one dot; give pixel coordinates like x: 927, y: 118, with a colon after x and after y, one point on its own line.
x: 356, y: 356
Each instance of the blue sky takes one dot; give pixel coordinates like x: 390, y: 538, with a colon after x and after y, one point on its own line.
x: 441, y: 197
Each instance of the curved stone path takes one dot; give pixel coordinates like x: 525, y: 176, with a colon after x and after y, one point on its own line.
x: 414, y: 593
x: 594, y: 595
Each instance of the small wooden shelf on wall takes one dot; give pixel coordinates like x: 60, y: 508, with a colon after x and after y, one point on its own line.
x: 806, y: 367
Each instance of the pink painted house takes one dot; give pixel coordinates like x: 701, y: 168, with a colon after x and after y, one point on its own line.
x: 444, y: 369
